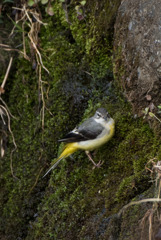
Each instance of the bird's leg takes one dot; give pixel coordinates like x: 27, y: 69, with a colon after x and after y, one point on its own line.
x: 90, y: 158
x: 99, y: 164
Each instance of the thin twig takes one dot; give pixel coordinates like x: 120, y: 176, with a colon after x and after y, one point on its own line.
x: 1, y: 114
x: 4, y: 45
x: 157, y: 118
x: 13, y: 139
x: 32, y: 41
x: 37, y: 19
x: 16, y: 22
x: 23, y: 37
x: 12, y: 49
x: 7, y: 108
x: 7, y: 73
x: 37, y: 51
x: 42, y: 97
x: 150, y: 225
x: 11, y: 163
x: 138, y: 202
x: 37, y: 178
x: 9, y: 125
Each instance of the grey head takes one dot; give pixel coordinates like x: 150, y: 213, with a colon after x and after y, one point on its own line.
x: 102, y: 113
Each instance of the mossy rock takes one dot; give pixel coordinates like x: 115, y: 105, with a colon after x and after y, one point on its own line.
x: 74, y: 201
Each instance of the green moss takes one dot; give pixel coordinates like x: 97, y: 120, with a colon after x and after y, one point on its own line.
x: 74, y: 201
x: 76, y: 194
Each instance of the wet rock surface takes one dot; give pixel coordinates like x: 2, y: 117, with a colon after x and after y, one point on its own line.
x: 137, y: 54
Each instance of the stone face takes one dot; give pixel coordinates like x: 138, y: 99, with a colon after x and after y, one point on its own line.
x: 137, y: 52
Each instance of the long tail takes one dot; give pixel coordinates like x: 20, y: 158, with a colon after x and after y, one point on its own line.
x: 69, y: 149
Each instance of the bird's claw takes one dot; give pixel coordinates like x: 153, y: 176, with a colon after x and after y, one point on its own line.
x: 98, y: 165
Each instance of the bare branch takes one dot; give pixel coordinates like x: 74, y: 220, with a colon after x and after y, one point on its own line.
x: 7, y: 73
x: 138, y: 202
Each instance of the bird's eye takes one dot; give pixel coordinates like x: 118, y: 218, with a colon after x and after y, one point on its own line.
x: 98, y: 115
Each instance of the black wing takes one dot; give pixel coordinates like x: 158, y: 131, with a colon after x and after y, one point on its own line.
x: 88, y: 130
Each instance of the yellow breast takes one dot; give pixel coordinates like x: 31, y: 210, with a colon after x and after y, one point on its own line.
x: 104, y: 137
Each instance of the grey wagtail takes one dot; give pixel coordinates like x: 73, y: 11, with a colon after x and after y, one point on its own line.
x: 90, y: 135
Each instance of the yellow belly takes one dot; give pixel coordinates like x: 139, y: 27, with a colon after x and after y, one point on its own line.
x: 90, y: 145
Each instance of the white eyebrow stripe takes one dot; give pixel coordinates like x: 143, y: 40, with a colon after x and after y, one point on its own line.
x: 75, y: 131
x: 99, y: 114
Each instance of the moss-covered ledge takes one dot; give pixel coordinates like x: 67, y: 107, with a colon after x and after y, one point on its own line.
x: 74, y: 201
x: 79, y: 201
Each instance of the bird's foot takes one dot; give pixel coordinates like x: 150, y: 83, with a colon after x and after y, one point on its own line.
x: 98, y: 165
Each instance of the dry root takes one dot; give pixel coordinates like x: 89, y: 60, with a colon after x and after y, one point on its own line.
x: 154, y: 211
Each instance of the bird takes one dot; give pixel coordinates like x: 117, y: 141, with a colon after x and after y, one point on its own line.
x: 90, y: 135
